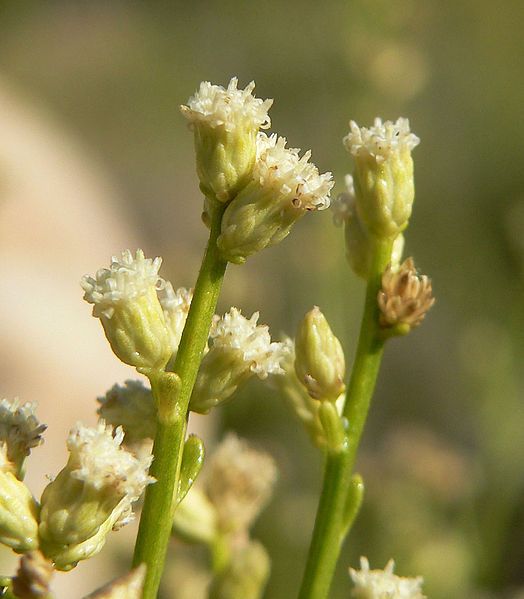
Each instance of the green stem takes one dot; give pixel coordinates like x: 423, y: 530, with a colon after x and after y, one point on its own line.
x: 330, y: 523
x: 157, y: 514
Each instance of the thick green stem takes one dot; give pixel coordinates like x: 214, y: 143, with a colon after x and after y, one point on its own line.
x: 157, y: 514
x: 330, y: 523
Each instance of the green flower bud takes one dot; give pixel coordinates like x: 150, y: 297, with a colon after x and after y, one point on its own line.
x: 283, y: 188
x: 125, y: 299
x: 225, y: 123
x: 239, y: 349
x: 132, y: 407
x: 319, y: 364
x: 18, y: 509
x: 91, y: 496
x: 246, y: 574
x: 383, y: 175
x: 195, y: 519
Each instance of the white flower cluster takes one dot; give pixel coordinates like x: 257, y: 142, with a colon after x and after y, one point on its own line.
x: 283, y: 170
x: 175, y: 305
x: 99, y: 461
x: 240, y: 482
x: 383, y: 584
x: 127, y: 278
x: 380, y: 140
x: 343, y: 206
x: 20, y: 429
x: 237, y: 332
x: 219, y: 107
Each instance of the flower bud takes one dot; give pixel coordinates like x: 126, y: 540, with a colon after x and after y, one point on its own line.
x: 91, y: 496
x: 132, y: 407
x: 128, y: 586
x: 20, y: 431
x: 124, y: 297
x: 319, y: 363
x: 282, y: 189
x: 376, y: 584
x: 239, y: 349
x: 18, y: 509
x: 246, y: 574
x: 359, y: 241
x: 225, y: 123
x: 405, y: 298
x: 383, y: 174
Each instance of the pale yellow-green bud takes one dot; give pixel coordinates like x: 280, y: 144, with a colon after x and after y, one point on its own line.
x: 132, y: 407
x: 283, y: 188
x: 239, y: 349
x: 128, y: 586
x: 225, y: 123
x: 245, y: 576
x: 125, y: 299
x: 18, y: 509
x: 319, y: 362
x: 195, y: 518
x: 91, y: 496
x: 383, y: 176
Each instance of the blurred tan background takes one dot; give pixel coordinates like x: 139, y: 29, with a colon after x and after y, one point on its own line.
x: 94, y: 158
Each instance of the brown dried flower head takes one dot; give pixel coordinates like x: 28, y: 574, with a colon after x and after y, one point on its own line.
x: 405, y: 297
x: 33, y: 576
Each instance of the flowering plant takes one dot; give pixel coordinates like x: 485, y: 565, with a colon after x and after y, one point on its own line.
x: 256, y: 189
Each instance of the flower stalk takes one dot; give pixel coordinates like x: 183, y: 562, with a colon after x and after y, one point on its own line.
x: 331, y: 524
x: 173, y: 401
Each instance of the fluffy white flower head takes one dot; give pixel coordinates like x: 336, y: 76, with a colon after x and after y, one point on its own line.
x: 237, y: 332
x: 240, y: 481
x: 289, y: 174
x: 380, y: 140
x: 127, y: 278
x: 342, y: 206
x: 175, y: 305
x: 99, y: 460
x: 20, y: 429
x: 383, y: 584
x: 216, y: 106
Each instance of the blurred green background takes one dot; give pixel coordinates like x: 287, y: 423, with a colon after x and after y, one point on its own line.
x: 444, y: 447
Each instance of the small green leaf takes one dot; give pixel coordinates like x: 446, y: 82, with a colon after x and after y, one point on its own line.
x: 192, y: 461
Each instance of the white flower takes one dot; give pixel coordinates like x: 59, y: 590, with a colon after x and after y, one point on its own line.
x: 234, y: 331
x: 343, y: 206
x: 380, y: 140
x: 20, y: 429
x: 383, y: 584
x: 219, y: 107
x: 289, y: 175
x: 126, y: 302
x: 240, y: 482
x: 126, y: 279
x: 176, y: 306
x: 97, y: 459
